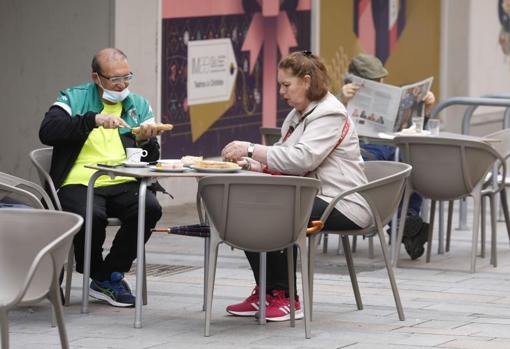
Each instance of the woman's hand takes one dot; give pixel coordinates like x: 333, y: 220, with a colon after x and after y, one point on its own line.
x: 250, y: 164
x: 235, y: 150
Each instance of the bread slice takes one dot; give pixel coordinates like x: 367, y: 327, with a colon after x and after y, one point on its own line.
x: 160, y: 127
x: 189, y: 160
x: 216, y: 164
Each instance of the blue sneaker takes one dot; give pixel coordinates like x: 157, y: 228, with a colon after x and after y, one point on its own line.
x: 115, y: 291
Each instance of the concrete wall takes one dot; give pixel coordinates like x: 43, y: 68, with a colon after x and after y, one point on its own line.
x: 138, y: 34
x: 46, y: 46
x: 472, y: 60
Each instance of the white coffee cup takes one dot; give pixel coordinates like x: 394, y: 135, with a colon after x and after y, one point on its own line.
x: 135, y: 154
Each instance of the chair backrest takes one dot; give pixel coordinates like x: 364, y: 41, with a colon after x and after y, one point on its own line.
x: 500, y: 141
x: 446, y: 168
x: 33, y: 248
x: 386, y: 184
x: 271, y: 135
x: 24, y: 191
x: 41, y: 158
x: 258, y: 213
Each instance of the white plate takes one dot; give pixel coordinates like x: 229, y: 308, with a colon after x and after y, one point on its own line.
x: 422, y: 133
x: 215, y: 170
x: 135, y: 164
x: 169, y: 161
x: 165, y: 169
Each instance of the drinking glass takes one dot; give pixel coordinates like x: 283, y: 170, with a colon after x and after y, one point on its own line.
x: 418, y: 123
x: 433, y: 127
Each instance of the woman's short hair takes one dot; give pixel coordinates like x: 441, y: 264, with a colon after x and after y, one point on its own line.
x: 303, y: 63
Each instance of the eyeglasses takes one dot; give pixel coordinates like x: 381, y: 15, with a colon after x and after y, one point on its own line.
x: 306, y: 53
x: 118, y: 79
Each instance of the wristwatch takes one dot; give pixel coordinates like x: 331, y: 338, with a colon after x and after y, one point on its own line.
x: 251, y: 148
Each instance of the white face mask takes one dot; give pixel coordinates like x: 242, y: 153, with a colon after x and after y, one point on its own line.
x: 114, y: 96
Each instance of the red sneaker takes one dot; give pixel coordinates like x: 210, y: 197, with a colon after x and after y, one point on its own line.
x: 279, y: 307
x: 248, y: 307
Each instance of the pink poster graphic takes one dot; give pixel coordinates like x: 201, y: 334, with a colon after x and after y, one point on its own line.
x: 261, y: 33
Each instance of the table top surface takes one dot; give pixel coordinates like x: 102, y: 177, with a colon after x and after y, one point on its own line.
x: 389, y: 137
x: 150, y: 172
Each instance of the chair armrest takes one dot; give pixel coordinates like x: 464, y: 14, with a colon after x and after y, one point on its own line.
x: 316, y: 226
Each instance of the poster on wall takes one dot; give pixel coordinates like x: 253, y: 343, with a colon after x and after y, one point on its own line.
x: 403, y: 34
x: 219, y: 65
x: 211, y: 71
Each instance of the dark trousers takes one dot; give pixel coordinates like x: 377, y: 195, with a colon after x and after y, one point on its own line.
x: 276, y: 274
x: 120, y: 201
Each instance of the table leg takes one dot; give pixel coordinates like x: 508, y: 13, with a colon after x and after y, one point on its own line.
x: 440, y: 230
x: 140, y: 247
x: 394, y: 224
x: 88, y: 242
x: 262, y: 288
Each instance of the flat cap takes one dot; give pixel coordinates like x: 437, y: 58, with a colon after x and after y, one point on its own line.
x: 367, y: 67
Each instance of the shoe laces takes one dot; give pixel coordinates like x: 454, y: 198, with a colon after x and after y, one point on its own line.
x: 278, y: 298
x: 254, y: 297
x: 118, y: 284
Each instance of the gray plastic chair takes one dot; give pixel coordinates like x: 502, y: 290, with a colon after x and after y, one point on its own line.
x: 271, y: 135
x: 445, y: 169
x: 259, y: 214
x: 490, y: 189
x: 24, y: 191
x: 30, y: 271
x: 383, y: 192
x: 495, y: 186
x: 41, y: 159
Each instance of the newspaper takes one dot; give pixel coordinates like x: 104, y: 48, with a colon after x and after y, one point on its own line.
x: 378, y: 109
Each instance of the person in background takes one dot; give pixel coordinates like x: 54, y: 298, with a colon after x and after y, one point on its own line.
x: 318, y: 140
x: 371, y: 68
x: 90, y: 124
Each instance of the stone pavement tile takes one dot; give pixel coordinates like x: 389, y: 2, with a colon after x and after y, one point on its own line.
x: 489, y: 330
x: 425, y: 339
x: 492, y: 320
x: 479, y: 308
x: 476, y: 344
x: 30, y: 340
x: 435, y: 327
x: 383, y: 346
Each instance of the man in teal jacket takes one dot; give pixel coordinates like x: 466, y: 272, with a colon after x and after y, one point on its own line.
x: 90, y: 124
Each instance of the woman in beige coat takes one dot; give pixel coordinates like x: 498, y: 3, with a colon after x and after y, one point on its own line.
x: 318, y: 140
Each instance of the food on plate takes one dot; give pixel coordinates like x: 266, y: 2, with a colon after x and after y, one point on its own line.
x: 189, y: 160
x: 216, y: 164
x: 160, y: 127
x: 174, y: 165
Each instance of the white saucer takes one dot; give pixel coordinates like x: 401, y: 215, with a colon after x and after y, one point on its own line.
x: 422, y: 133
x: 166, y: 169
x: 135, y: 164
x: 216, y: 170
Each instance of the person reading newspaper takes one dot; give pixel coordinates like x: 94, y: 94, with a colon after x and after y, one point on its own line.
x: 371, y: 68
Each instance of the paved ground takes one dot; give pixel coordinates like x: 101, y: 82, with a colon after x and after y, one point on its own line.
x: 445, y: 306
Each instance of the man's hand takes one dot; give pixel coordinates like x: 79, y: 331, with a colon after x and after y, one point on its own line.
x: 110, y: 121
x: 429, y: 101
x: 147, y: 131
x: 235, y: 150
x: 348, y: 91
